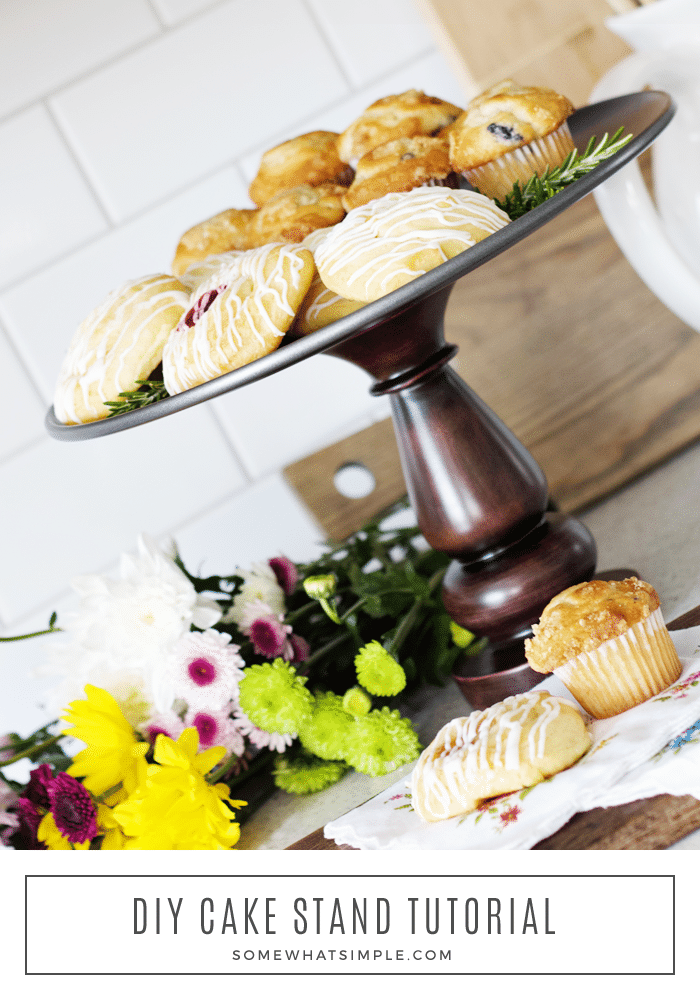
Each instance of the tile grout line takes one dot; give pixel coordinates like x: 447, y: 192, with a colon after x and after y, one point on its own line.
x: 221, y: 427
x: 27, y: 372
x: 327, y: 40
x: 71, y: 81
x: 55, y: 119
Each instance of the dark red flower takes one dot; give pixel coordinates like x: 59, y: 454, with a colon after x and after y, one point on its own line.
x: 300, y: 648
x: 24, y: 838
x: 37, y: 790
x: 268, y: 636
x: 73, y: 809
x: 286, y: 573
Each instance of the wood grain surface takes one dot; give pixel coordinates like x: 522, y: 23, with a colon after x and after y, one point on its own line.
x: 562, y: 44
x: 646, y: 825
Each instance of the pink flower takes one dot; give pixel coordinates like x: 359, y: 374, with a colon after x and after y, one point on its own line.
x: 6, y: 749
x: 167, y: 723
x: 73, y: 809
x: 286, y: 573
x: 205, y: 670
x: 9, y: 820
x: 510, y: 815
x: 216, y: 729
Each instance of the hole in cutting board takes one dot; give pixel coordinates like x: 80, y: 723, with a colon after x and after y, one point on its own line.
x: 354, y: 480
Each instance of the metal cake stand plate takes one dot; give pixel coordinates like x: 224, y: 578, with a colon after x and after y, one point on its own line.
x: 477, y: 493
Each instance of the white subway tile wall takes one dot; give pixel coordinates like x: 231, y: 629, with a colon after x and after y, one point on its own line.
x: 122, y: 125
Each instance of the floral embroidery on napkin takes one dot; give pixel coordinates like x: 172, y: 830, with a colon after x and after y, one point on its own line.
x: 680, y: 689
x: 689, y: 735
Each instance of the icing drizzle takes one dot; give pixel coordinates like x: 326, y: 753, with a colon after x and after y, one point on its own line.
x: 381, y: 245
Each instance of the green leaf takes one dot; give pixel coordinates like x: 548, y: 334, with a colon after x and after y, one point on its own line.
x: 540, y: 188
x: 147, y: 392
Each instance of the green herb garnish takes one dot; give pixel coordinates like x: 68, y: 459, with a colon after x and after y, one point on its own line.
x: 147, y: 392
x: 538, y: 189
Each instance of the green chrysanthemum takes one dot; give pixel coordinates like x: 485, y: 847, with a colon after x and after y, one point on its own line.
x: 378, y: 672
x: 356, y: 701
x: 274, y: 698
x: 325, y: 731
x: 303, y: 775
x: 461, y: 637
x: 380, y: 742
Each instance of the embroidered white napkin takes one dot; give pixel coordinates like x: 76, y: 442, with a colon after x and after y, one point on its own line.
x: 634, y: 750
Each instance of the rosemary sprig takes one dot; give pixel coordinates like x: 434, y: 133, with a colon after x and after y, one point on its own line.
x: 148, y: 392
x: 538, y: 189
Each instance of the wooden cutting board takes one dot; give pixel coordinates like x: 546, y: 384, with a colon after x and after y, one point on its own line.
x: 645, y: 825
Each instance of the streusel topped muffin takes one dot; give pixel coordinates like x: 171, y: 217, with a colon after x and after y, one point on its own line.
x: 607, y: 642
x: 395, y: 117
x: 509, y: 133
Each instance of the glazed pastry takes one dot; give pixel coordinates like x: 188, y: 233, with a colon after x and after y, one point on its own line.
x: 117, y: 346
x: 291, y: 215
x: 321, y: 306
x: 400, y: 165
x: 607, y: 642
x: 226, y: 231
x: 308, y: 159
x: 203, y: 271
x: 513, y: 744
x: 395, y: 117
x: 241, y: 314
x: 388, y: 242
x: 509, y: 133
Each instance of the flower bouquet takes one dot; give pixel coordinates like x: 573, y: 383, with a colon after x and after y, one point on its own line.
x: 183, y: 701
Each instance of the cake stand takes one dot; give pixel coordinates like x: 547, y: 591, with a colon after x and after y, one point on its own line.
x: 477, y: 493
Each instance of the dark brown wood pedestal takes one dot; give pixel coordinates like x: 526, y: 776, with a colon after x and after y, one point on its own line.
x: 477, y: 493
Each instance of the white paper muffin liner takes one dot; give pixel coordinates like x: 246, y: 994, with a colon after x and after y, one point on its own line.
x: 496, y: 178
x: 624, y: 671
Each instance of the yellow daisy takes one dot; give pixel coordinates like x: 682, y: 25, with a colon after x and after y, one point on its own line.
x: 174, y: 808
x: 113, y: 750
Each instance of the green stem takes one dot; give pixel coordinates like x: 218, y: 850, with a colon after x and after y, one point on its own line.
x: 254, y: 767
x: 29, y: 635
x: 37, y: 748
x: 319, y: 653
x: 355, y: 607
x: 409, y: 619
x: 292, y: 616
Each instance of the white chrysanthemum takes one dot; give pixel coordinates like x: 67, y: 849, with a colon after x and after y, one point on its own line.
x: 260, y: 584
x: 125, y: 629
x: 258, y: 737
x: 203, y: 670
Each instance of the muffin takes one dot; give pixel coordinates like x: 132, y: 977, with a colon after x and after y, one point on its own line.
x: 395, y: 117
x: 401, y: 165
x: 226, y: 231
x: 509, y: 133
x: 311, y: 158
x: 607, y: 642
x: 291, y: 215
